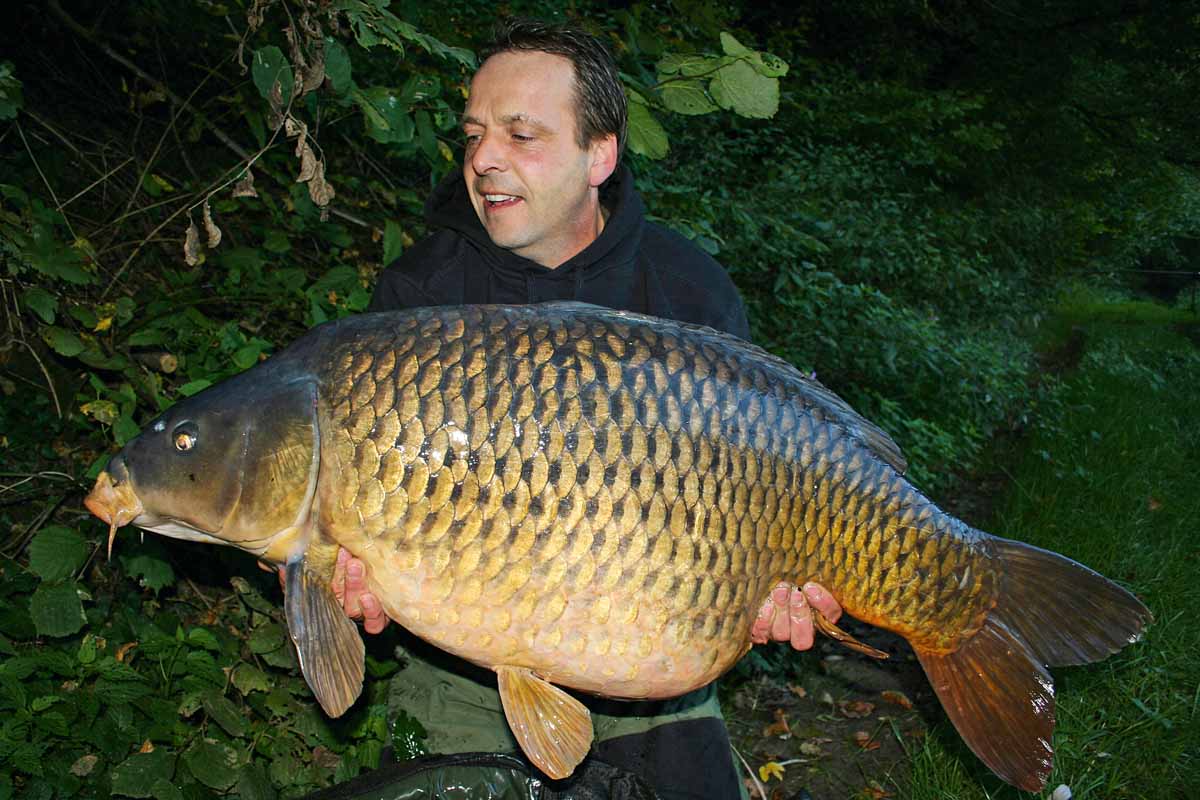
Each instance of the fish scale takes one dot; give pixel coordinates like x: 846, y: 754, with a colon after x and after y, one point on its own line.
x: 572, y: 495
x: 712, y: 434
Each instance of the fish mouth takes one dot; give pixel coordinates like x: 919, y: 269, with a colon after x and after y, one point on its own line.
x: 115, y: 503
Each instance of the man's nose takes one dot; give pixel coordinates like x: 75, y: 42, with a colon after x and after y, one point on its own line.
x: 488, y: 155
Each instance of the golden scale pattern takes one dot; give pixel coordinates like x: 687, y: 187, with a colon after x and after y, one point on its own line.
x: 530, y: 457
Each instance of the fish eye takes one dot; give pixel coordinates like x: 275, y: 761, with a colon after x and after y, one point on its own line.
x: 184, y: 437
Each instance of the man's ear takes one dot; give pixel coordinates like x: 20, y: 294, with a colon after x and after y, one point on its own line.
x: 603, y: 153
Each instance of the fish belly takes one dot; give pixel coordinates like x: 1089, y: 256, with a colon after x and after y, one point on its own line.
x: 607, y: 499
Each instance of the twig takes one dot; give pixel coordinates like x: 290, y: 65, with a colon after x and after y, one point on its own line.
x: 45, y: 180
x: 27, y: 478
x: 93, y: 184
x: 757, y: 783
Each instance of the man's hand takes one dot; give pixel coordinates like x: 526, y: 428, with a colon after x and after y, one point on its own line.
x: 350, y: 589
x: 786, y: 616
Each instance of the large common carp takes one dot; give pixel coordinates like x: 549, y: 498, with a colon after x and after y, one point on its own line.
x: 600, y: 500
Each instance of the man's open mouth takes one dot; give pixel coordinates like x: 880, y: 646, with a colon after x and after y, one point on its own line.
x: 500, y: 200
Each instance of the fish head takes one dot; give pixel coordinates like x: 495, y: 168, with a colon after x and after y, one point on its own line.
x: 236, y: 464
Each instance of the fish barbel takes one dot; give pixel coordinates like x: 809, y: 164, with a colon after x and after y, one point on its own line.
x: 574, y: 496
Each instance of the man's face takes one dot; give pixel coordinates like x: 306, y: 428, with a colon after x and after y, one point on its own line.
x: 534, y: 189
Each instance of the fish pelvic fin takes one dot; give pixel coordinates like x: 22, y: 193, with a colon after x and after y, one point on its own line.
x: 552, y: 727
x: 1050, y: 611
x: 328, y: 644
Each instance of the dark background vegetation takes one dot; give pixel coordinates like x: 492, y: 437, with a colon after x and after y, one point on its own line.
x: 929, y: 179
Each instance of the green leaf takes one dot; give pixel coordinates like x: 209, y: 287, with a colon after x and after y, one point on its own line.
x: 254, y: 784
x: 425, y: 135
x: 202, y: 637
x: 408, y: 736
x: 40, y: 302
x: 337, y: 65
x: 62, y: 341
x: 194, y: 387
x: 165, y: 790
x: 393, y: 241
x: 739, y: 87
x: 276, y: 241
x: 56, y: 609
x: 687, y: 97
x: 137, y: 775
x: 646, y: 135
x: 224, y: 713
x: 385, y: 112
x: 732, y: 46
x: 125, y: 429
x: 270, y: 65
x: 145, y: 338
x: 201, y: 665
x: 11, y: 100
x: 212, y: 763
x: 687, y: 65
x: 56, y: 552
x: 249, y: 678
x: 153, y: 571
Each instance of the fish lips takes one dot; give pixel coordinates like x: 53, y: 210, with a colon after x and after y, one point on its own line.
x: 114, y: 501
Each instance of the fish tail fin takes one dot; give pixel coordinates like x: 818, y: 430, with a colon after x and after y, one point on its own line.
x: 995, y: 688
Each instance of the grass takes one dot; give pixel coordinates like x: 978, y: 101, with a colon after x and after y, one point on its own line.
x: 1112, y: 482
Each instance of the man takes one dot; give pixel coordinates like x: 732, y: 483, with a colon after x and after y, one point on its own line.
x: 545, y: 211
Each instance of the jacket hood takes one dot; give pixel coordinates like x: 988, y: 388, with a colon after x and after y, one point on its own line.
x: 449, y: 206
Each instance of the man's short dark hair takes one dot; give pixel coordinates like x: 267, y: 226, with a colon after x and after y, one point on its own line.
x: 600, y: 106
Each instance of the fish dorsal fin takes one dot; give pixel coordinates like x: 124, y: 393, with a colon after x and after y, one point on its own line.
x: 327, y: 642
x: 553, y: 728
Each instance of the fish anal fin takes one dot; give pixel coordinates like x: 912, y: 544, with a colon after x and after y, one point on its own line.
x: 834, y: 632
x: 1001, y: 700
x: 552, y: 727
x: 328, y: 644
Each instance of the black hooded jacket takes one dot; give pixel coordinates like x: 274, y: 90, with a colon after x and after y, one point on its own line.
x: 633, y: 265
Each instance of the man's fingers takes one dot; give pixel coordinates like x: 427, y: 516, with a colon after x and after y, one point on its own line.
x: 374, y: 620
x: 801, y: 628
x: 760, y: 631
x: 822, y: 601
x: 780, y: 626
x: 355, y: 585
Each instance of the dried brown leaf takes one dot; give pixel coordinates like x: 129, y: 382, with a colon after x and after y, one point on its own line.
x: 245, y: 187
x: 779, y: 727
x: 896, y: 698
x: 191, y: 245
x: 147, y: 747
x: 797, y: 690
x: 324, y: 757
x: 275, y: 98
x: 874, y: 791
x: 123, y: 650
x: 855, y: 709
x: 318, y: 189
x: 314, y: 75
x: 865, y: 741
x: 84, y: 766
x: 210, y: 228
x: 308, y: 165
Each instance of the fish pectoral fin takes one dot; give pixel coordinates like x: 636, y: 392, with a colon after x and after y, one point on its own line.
x: 328, y: 644
x: 834, y: 632
x: 553, y: 728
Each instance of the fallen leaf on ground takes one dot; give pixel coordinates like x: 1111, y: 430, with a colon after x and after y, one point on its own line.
x: 875, y: 791
x: 769, y: 770
x: 811, y: 748
x: 779, y: 727
x: 797, y: 690
x: 856, y: 709
x: 124, y: 649
x: 896, y: 699
x: 865, y: 741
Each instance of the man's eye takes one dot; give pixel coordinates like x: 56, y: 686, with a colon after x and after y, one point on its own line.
x: 520, y: 137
